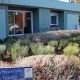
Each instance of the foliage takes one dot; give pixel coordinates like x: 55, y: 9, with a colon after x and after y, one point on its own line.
x: 72, y: 49
x: 76, y: 38
x: 62, y: 43
x: 39, y: 48
x: 1, y: 41
x: 2, y: 48
x: 18, y: 51
x: 10, y: 40
x: 21, y: 47
x: 53, y: 43
x: 25, y: 42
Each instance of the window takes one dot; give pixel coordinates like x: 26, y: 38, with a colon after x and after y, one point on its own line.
x: 54, y: 19
x: 54, y: 22
x: 11, y: 23
x: 19, y: 22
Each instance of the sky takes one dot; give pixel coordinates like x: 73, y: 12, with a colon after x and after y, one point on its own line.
x: 65, y: 0
x: 68, y: 0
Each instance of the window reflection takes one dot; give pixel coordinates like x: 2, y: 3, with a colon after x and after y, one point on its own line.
x: 11, y: 23
x: 27, y: 19
x: 19, y: 23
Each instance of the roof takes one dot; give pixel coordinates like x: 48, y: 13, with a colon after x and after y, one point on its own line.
x: 45, y: 4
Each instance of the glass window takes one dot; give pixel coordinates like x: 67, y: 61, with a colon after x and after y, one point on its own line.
x: 11, y: 23
x: 53, y: 20
x: 19, y: 22
x: 27, y: 19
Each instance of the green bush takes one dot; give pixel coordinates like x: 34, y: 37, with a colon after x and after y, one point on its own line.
x: 76, y: 38
x: 59, y: 44
x: 49, y: 49
x: 25, y: 42
x: 1, y: 41
x: 2, y: 48
x: 63, y: 43
x: 10, y: 40
x: 53, y: 43
x: 40, y: 49
x: 18, y: 51
x: 72, y: 49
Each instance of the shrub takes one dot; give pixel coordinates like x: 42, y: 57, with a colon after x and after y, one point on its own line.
x: 18, y: 51
x: 39, y: 48
x: 25, y: 42
x: 1, y: 41
x: 72, y: 49
x: 59, y: 44
x: 63, y: 43
x: 2, y: 48
x: 10, y: 40
x: 53, y: 43
x: 76, y: 38
x: 49, y: 49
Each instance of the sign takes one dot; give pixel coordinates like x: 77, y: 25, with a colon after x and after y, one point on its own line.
x: 21, y: 73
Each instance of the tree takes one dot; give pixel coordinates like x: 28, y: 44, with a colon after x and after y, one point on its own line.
x: 78, y: 1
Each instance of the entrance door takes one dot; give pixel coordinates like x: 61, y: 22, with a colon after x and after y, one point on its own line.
x: 20, y: 22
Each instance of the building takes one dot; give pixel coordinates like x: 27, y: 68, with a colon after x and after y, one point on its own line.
x: 20, y: 17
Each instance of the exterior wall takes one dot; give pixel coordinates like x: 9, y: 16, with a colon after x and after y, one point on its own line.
x: 45, y: 4
x: 41, y: 20
x: 3, y: 21
x: 44, y: 19
x: 61, y: 20
x: 36, y: 21
x: 71, y: 20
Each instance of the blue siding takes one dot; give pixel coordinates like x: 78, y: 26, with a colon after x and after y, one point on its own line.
x: 66, y: 18
x: 44, y: 19
x: 61, y: 20
x: 3, y: 22
x: 36, y: 21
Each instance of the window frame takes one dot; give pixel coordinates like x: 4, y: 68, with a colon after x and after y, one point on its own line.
x: 54, y: 14
x: 23, y: 21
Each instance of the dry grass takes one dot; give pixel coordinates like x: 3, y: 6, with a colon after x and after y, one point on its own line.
x: 50, y: 67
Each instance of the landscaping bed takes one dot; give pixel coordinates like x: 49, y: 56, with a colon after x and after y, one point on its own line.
x: 52, y: 55
x: 50, y: 67
x: 14, y: 48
